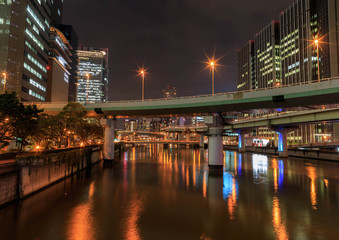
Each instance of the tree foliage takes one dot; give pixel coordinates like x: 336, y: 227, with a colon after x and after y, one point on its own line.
x: 28, y: 124
x: 16, y: 120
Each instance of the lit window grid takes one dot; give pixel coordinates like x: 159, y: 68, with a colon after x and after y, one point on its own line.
x: 96, y: 87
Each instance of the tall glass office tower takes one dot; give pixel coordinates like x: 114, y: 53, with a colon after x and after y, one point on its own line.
x: 93, y: 74
x: 24, y: 36
x: 267, y: 56
x: 302, y: 23
x: 246, y: 67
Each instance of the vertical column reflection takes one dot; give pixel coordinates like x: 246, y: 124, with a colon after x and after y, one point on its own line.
x: 278, y: 224
x: 230, y: 192
x: 312, y: 174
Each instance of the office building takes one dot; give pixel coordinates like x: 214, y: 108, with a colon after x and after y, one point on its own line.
x: 24, y: 35
x: 59, y: 61
x: 301, y: 24
x: 246, y: 67
x: 169, y: 92
x: 72, y: 38
x: 93, y: 74
x: 267, y: 56
x: 56, y: 12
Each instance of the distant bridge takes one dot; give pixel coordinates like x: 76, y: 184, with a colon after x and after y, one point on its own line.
x: 163, y: 142
x: 146, y: 133
x: 291, y: 119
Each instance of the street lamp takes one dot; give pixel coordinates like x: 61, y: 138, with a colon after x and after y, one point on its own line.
x: 316, y: 43
x: 87, y: 75
x: 212, y: 63
x: 5, y: 79
x: 142, y: 73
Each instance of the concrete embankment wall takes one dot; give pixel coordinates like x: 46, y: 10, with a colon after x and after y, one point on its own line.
x: 32, y: 173
x: 8, y: 183
x: 311, y: 154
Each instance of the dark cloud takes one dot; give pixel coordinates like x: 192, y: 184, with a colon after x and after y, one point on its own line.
x: 170, y: 37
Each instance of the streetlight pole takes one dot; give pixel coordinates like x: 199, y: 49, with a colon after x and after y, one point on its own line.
x: 143, y: 85
x: 76, y: 92
x: 5, y: 80
x: 316, y: 42
x: 212, y: 65
x: 87, y: 75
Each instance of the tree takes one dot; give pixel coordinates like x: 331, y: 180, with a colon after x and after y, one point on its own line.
x: 26, y: 123
x: 9, y: 108
x: 44, y: 132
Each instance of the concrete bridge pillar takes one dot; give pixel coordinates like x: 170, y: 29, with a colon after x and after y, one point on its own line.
x: 179, y: 136
x: 188, y: 136
x: 201, y: 141
x: 172, y: 136
x: 282, y: 139
x: 241, y: 142
x: 282, y: 143
x: 215, y: 149
x: 109, y: 126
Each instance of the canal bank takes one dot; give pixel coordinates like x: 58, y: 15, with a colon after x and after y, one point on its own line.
x: 292, y: 152
x: 31, y: 173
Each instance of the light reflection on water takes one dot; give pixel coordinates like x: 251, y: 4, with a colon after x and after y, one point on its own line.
x: 278, y: 224
x: 312, y: 174
x: 80, y: 226
x: 156, y: 193
x: 133, y: 213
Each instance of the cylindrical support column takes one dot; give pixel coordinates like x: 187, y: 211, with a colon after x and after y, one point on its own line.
x: 188, y: 136
x: 172, y: 136
x: 282, y: 144
x: 109, y: 125
x: 179, y: 136
x: 241, y: 142
x: 201, y: 141
x: 215, y: 149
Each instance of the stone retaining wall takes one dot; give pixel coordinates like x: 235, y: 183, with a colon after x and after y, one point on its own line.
x: 32, y: 173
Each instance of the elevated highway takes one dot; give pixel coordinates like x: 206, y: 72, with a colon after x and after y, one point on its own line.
x: 291, y: 119
x: 315, y: 93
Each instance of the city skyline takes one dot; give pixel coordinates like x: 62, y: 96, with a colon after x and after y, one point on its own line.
x: 156, y: 36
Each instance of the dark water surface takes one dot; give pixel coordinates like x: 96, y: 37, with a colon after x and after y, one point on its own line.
x: 155, y: 193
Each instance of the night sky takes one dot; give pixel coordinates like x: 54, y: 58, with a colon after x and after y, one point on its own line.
x: 171, y: 37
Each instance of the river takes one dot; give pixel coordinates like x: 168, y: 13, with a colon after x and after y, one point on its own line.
x: 156, y: 193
